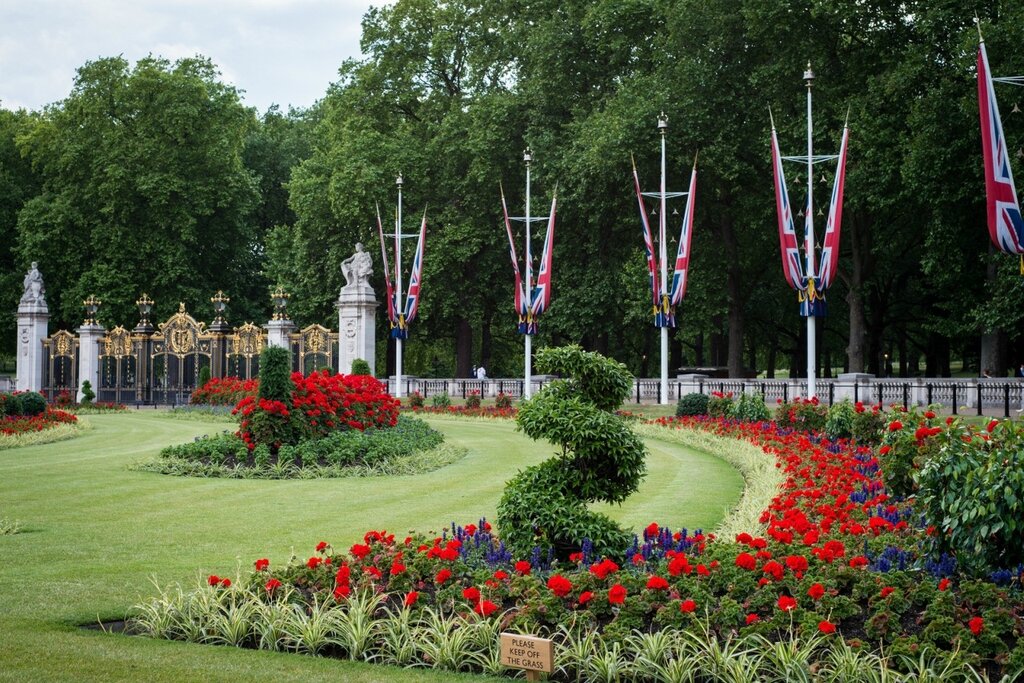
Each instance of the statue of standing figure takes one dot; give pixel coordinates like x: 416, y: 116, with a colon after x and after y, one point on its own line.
x: 35, y: 291
x: 357, y: 268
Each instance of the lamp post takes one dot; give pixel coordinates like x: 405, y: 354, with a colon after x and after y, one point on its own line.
x: 398, y: 286
x: 92, y: 305
x: 145, y: 306
x: 663, y: 255
x: 220, y: 304
x: 528, y: 338
x: 280, y: 299
x: 809, y: 239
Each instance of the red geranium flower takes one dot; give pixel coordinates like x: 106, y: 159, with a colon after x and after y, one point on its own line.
x: 410, y: 598
x: 816, y: 591
x: 523, y: 567
x: 359, y: 550
x: 887, y: 591
x: 895, y: 426
x: 752, y: 619
x: 585, y: 597
x: 944, y: 584
x: 471, y: 593
x: 657, y: 583
x: 262, y: 564
x: 320, y: 546
x: 485, y: 608
x: 560, y: 585
x: 442, y: 576
x: 687, y: 606
x: 341, y: 591
x: 617, y: 594
x: 213, y: 579
x: 272, y: 585
x: 977, y: 625
x: 826, y: 627
x: 746, y: 561
x: 786, y: 603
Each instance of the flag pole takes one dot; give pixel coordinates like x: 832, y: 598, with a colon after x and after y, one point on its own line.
x: 528, y: 338
x: 809, y: 243
x: 663, y: 254
x: 398, y: 288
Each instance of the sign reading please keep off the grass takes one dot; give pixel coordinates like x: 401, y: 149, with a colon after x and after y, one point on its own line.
x: 528, y: 652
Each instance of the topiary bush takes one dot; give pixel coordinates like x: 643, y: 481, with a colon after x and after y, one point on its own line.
x: 600, y: 458
x: 267, y: 419
x: 87, y: 393
x: 10, y: 404
x: 204, y: 375
x: 360, y: 367
x: 692, y: 404
x: 32, y: 403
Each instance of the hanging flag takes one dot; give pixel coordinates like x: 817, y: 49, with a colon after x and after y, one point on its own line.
x: 412, y: 300
x: 791, y: 265
x: 390, y: 292
x: 542, y: 292
x: 519, y: 299
x: 1005, y: 224
x: 652, y: 258
x: 683, y: 253
x: 830, y: 253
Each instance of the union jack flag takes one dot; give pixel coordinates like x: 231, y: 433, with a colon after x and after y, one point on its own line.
x: 652, y: 257
x: 685, y: 235
x: 541, y: 295
x: 1005, y: 224
x: 412, y: 300
x: 392, y: 318
x: 791, y: 265
x: 830, y: 252
x: 519, y: 298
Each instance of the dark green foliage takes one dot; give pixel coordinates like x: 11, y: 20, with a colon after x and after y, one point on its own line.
x: 601, y: 459
x: 204, y: 375
x: 360, y: 367
x: 692, y: 404
x: 473, y: 399
x: 10, y: 404
x: 868, y: 426
x: 442, y: 400
x: 415, y: 400
x: 972, y: 490
x: 340, y: 449
x: 32, y: 403
x: 719, y: 405
x: 502, y: 400
x: 87, y: 393
x: 839, y: 423
x: 750, y: 408
x: 276, y: 375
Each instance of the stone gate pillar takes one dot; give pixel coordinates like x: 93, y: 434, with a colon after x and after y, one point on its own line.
x: 90, y: 334
x: 33, y: 328
x: 278, y: 331
x: 357, y: 313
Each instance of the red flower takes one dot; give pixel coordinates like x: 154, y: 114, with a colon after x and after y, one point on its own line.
x: 816, y: 591
x: 679, y: 565
x: 397, y: 568
x: 262, y: 564
x: 944, y: 584
x: 500, y: 575
x: 470, y: 529
x: 929, y: 414
x: 603, y: 568
x: 471, y: 593
x: 652, y: 530
x: 617, y: 594
x: 410, y: 598
x: 752, y: 619
x: 341, y: 591
x: 895, y: 426
x: 314, y: 562
x: 786, y: 603
x: 272, y: 585
x: 657, y: 583
x: 884, y: 450
x: 774, y: 569
x: 485, y: 608
x: 977, y: 625
x: 826, y: 627
x: 687, y: 606
x: 746, y: 561
x: 359, y: 550
x: 523, y: 567
x: 560, y: 585
x: 887, y: 591
x: 442, y: 576
x: 991, y: 426
x: 213, y: 579
x: 585, y: 597
x: 320, y: 546
x: 859, y: 561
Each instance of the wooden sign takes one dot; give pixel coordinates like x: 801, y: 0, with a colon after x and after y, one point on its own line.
x: 527, y: 652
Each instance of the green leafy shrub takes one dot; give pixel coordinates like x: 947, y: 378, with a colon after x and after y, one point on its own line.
x: 32, y: 403
x: 502, y: 400
x: 692, y: 404
x: 360, y: 367
x: 972, y: 491
x: 750, y: 408
x: 10, y: 404
x: 276, y: 375
x: 906, y: 446
x: 803, y: 414
x: 204, y: 375
x: 473, y: 399
x: 442, y: 400
x: 868, y: 424
x: 719, y: 404
x: 87, y: 393
x: 601, y: 458
x: 415, y: 400
x: 839, y: 422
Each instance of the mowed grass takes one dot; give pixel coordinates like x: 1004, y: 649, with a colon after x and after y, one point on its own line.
x: 95, y: 534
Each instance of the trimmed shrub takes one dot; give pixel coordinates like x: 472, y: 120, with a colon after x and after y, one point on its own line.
x: 10, y: 404
x: 602, y: 459
x: 473, y: 399
x: 276, y: 375
x: 87, y: 393
x: 204, y: 375
x: 750, y: 408
x: 692, y: 404
x: 360, y: 367
x: 32, y: 403
x: 442, y: 400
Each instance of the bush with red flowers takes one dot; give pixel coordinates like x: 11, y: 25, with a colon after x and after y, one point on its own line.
x: 224, y: 391
x: 12, y: 425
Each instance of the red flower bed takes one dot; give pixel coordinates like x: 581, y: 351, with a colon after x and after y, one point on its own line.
x: 21, y: 424
x: 224, y: 391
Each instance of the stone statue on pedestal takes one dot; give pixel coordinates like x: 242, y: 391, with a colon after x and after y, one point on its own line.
x: 35, y: 291
x: 357, y: 268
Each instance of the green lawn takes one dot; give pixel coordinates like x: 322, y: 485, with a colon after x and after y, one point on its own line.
x: 95, y: 533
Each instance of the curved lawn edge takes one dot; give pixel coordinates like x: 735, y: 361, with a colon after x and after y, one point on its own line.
x: 761, y: 478
x: 60, y: 432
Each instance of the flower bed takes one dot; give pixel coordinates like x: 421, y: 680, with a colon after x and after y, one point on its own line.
x: 465, y: 411
x: 841, y: 569
x: 224, y: 391
x: 12, y: 425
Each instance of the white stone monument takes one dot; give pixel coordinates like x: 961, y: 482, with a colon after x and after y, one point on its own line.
x: 357, y: 312
x: 33, y: 328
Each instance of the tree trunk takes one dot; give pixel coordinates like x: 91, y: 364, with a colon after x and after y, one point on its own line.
x: 859, y: 254
x: 734, y: 288
x: 487, y: 342
x: 463, y: 348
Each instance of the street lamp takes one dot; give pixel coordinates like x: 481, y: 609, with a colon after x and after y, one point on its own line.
x: 145, y: 305
x: 280, y: 299
x: 220, y: 303
x: 92, y: 305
